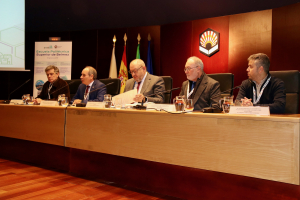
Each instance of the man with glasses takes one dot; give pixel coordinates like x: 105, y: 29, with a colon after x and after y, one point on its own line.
x: 54, y: 86
x: 149, y: 88
x: 203, y: 90
x: 90, y: 88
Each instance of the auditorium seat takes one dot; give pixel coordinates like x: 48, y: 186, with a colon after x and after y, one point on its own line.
x: 168, y: 86
x: 291, y: 82
x: 114, y: 88
x: 226, y: 81
x: 73, y: 85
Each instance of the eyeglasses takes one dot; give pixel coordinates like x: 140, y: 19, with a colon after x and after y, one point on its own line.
x: 188, y: 69
x: 135, y: 71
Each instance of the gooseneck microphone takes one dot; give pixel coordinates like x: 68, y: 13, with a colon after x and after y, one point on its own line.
x: 84, y: 104
x: 18, y: 88
x: 142, y: 107
x: 217, y: 110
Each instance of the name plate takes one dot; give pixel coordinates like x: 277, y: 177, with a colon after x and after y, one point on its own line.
x: 49, y: 103
x: 167, y: 107
x: 16, y: 102
x: 95, y: 105
x: 250, y: 110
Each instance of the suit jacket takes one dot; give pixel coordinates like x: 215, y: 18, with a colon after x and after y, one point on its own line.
x: 97, y: 95
x: 59, y: 87
x: 152, y: 85
x: 208, y: 93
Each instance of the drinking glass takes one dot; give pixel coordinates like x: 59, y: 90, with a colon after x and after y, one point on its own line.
x: 179, y: 103
x: 65, y: 102
x: 26, y: 98
x: 118, y: 103
x: 228, y: 101
x: 31, y: 100
x: 188, y: 106
x: 60, y: 98
x: 107, y: 100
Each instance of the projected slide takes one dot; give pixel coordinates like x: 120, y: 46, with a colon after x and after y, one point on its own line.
x: 12, y: 34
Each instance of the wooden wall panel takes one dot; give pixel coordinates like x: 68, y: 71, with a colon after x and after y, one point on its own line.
x: 249, y: 33
x: 217, y: 63
x: 176, y: 48
x: 286, y: 38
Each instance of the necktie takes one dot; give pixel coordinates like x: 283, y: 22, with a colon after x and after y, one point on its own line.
x: 138, y: 87
x: 193, y: 85
x: 86, y: 92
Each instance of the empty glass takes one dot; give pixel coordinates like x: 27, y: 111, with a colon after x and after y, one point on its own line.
x: 118, y: 103
x: 60, y: 98
x: 188, y: 106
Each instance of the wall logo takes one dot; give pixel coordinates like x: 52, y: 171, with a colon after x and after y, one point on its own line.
x: 209, y: 42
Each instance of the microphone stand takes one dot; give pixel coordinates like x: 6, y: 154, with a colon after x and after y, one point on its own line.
x: 142, y: 107
x: 217, y: 110
x: 84, y: 104
x: 7, y: 101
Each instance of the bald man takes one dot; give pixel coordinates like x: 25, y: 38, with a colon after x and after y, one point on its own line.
x: 145, y: 83
x: 203, y: 90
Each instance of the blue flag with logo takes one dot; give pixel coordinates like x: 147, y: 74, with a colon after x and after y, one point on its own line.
x: 149, y: 60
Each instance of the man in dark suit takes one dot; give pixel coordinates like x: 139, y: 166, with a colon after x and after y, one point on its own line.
x: 90, y: 89
x: 203, y: 90
x: 145, y: 83
x: 54, y: 86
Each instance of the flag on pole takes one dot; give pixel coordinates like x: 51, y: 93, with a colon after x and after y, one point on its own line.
x: 138, y: 56
x: 149, y: 58
x: 123, y: 74
x: 113, y: 64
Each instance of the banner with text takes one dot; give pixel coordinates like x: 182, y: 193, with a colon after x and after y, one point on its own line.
x: 58, y: 54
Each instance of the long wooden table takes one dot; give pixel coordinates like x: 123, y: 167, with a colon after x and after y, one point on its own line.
x: 260, y: 147
x: 189, y: 150
x: 33, y: 123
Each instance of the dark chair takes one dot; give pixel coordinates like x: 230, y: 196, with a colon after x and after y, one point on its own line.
x: 168, y: 86
x: 291, y: 83
x: 73, y: 86
x: 114, y: 88
x: 226, y: 81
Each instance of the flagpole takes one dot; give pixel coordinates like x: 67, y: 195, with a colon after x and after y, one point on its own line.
x: 113, y: 65
x: 138, y: 56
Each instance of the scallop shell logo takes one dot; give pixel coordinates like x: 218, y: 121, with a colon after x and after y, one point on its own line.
x: 209, y: 42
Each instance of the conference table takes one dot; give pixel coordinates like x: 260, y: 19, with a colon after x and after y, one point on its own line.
x: 263, y: 147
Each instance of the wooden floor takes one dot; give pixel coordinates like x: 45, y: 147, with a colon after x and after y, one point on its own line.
x: 21, y: 181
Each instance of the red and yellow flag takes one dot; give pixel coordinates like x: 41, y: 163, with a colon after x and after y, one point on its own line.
x: 123, y: 74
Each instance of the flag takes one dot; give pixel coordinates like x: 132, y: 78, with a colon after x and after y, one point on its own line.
x: 149, y: 60
x: 138, y: 56
x: 123, y: 74
x: 113, y: 65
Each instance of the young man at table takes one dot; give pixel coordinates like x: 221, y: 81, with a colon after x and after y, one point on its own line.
x: 262, y: 89
x: 90, y: 89
x: 54, y: 86
x: 145, y: 83
x: 203, y: 90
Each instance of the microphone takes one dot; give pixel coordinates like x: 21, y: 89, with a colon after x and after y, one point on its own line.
x: 217, y: 110
x: 63, y: 87
x: 142, y: 107
x: 7, y: 101
x: 84, y: 104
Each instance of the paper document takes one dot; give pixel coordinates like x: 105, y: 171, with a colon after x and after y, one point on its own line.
x: 127, y: 97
